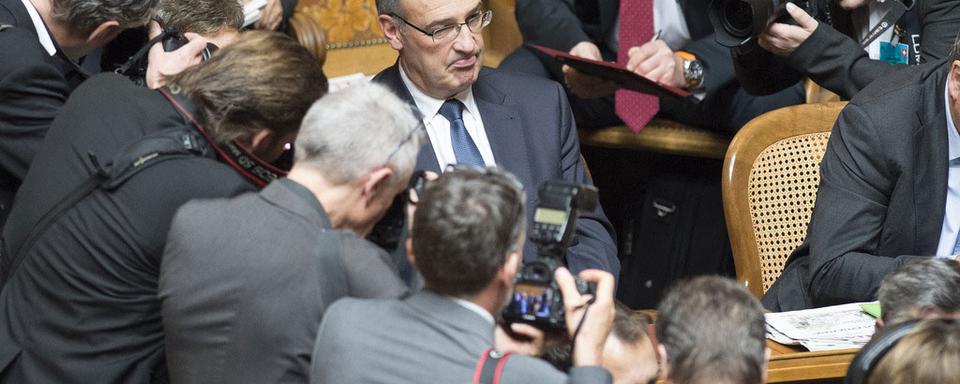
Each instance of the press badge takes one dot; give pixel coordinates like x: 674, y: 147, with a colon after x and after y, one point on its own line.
x: 894, y: 53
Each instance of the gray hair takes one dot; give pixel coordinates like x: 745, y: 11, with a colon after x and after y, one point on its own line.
x: 927, y: 283
x: 84, y: 15
x: 387, y: 7
x: 200, y: 16
x: 348, y: 133
x: 713, y: 331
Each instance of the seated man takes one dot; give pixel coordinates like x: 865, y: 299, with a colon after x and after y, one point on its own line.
x: 920, y: 289
x: 86, y: 237
x: 466, y: 241
x: 669, y: 41
x: 252, y: 275
x: 41, y: 41
x: 628, y: 352
x: 889, y: 190
x: 711, y: 330
x: 480, y: 117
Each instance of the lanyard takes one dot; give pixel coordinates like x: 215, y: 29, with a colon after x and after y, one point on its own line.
x: 889, y: 19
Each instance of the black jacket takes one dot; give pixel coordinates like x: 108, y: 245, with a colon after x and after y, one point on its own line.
x: 33, y: 88
x: 883, y: 183
x: 82, y: 307
x: 836, y: 61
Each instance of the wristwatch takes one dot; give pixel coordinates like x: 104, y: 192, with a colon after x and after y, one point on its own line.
x: 692, y: 69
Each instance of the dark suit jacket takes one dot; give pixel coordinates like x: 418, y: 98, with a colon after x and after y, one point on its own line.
x: 82, y: 307
x: 837, y: 62
x: 882, y: 193
x: 532, y: 134
x: 426, y: 338
x: 558, y: 24
x: 245, y: 281
x: 33, y: 87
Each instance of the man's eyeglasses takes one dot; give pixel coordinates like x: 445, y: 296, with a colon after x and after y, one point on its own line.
x: 447, y: 33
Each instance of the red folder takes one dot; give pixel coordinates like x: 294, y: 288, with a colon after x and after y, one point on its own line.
x: 616, y: 73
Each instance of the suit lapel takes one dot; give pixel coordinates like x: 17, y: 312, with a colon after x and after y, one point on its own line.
x: 501, y: 121
x: 930, y: 167
x: 390, y: 77
x: 21, y: 18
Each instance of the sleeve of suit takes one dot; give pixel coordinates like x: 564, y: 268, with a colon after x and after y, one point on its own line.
x: 593, y: 245
x: 717, y: 63
x: 838, y: 63
x: 550, y: 23
x: 852, y: 204
x: 368, y: 270
x: 30, y: 97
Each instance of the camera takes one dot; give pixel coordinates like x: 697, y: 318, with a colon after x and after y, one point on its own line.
x: 737, y: 22
x: 536, y: 299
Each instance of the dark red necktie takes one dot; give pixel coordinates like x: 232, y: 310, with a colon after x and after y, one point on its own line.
x: 636, y: 28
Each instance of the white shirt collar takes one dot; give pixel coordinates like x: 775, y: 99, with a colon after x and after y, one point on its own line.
x: 475, y: 308
x: 953, y: 137
x: 430, y: 106
x: 42, y: 34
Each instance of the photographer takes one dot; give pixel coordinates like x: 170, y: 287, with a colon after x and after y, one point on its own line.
x: 839, y: 57
x: 83, y: 249
x: 466, y: 241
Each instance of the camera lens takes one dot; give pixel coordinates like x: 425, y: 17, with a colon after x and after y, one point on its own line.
x: 737, y: 16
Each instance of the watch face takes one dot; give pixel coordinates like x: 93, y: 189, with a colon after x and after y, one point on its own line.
x: 693, y: 73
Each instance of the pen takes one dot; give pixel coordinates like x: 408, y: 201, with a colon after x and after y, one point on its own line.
x: 656, y: 36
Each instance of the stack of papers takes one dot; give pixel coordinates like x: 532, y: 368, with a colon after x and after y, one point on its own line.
x: 822, y: 329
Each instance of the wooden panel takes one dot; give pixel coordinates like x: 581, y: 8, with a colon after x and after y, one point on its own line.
x: 661, y: 136
x: 790, y: 364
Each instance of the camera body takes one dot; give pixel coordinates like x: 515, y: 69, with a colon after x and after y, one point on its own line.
x: 737, y: 22
x: 536, y: 299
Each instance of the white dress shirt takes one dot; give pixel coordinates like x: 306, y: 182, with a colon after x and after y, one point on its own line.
x: 865, y: 19
x: 951, y: 213
x: 438, y: 128
x: 42, y: 34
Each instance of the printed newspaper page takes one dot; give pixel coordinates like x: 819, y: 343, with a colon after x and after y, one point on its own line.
x: 822, y: 329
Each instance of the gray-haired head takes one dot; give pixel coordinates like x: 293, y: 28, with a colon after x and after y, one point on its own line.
x: 83, y: 15
x: 200, y: 16
x: 387, y: 7
x: 920, y: 286
x: 713, y: 331
x: 350, y: 132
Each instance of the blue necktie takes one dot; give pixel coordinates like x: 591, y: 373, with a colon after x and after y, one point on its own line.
x: 463, y: 147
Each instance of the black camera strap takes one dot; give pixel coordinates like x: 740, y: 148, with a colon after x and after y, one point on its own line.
x: 137, y: 58
x: 252, y: 168
x: 490, y: 367
x: 897, y: 9
x: 148, y: 151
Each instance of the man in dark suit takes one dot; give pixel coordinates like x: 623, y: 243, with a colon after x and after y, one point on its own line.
x: 38, y: 69
x: 466, y: 241
x: 253, y: 275
x: 889, y: 190
x: 837, y: 56
x: 685, y: 55
x: 79, y: 298
x: 486, y: 117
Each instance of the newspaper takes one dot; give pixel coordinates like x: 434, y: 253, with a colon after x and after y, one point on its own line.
x: 822, y: 329
x: 345, y: 81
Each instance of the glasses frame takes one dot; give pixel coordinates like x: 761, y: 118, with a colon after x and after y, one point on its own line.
x: 485, y: 18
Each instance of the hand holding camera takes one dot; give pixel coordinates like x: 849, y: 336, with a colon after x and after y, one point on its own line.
x: 588, y: 316
x: 782, y: 39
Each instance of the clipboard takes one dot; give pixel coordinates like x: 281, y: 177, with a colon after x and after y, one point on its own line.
x: 614, y: 72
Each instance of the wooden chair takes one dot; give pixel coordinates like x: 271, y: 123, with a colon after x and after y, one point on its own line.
x: 770, y: 180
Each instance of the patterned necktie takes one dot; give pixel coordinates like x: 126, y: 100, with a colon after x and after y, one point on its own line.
x: 636, y: 28
x: 463, y: 146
